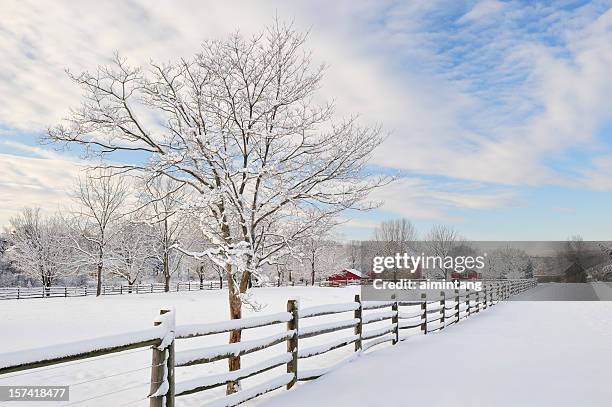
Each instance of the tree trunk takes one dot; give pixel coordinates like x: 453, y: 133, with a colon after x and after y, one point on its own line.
x: 235, y: 336
x: 220, y: 282
x: 166, y: 272
x: 201, y: 276
x: 99, y: 280
x: 312, y: 271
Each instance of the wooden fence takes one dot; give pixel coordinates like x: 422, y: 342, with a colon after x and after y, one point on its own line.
x: 16, y: 293
x: 425, y: 316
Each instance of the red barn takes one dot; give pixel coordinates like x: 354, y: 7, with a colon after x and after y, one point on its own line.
x: 346, y: 274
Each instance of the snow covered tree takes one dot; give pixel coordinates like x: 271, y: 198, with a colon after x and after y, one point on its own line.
x: 354, y: 254
x: 241, y: 126
x: 36, y: 246
x: 441, y: 241
x: 506, y: 263
x: 162, y: 198
x: 101, y: 199
x: 323, y: 256
x: 131, y: 253
x: 392, y: 237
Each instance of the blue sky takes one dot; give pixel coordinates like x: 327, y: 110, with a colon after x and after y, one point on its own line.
x: 497, y: 112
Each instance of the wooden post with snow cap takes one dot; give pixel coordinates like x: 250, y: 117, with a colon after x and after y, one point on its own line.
x: 424, y: 309
x: 162, y: 370
x: 292, y: 342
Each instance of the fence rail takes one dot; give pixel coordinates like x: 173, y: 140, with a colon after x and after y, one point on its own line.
x: 428, y: 315
x: 21, y: 293
x: 17, y: 293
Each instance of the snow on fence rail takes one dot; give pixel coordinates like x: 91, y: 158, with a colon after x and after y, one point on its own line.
x: 424, y: 316
x: 20, y: 293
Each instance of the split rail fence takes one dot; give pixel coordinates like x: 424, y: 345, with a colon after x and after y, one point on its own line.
x: 17, y: 293
x: 21, y: 293
x: 428, y: 315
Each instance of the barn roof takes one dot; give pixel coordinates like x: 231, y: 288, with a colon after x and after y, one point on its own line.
x: 354, y: 271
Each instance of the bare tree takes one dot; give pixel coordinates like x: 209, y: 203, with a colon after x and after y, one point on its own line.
x: 394, y: 236
x: 241, y: 128
x: 441, y: 241
x: 506, y: 263
x: 35, y: 246
x: 163, y: 198
x: 323, y: 255
x: 131, y: 252
x: 100, y: 198
x: 354, y: 254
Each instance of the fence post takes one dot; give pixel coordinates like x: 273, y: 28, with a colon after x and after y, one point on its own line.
x: 467, y: 301
x: 395, y: 320
x: 359, y: 327
x: 162, y: 369
x: 424, y: 309
x: 443, y: 302
x: 486, y: 301
x: 292, y: 342
x: 457, y: 307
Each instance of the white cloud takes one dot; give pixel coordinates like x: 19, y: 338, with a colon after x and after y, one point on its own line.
x: 416, y: 198
x: 41, y: 182
x: 484, y: 8
x: 535, y: 101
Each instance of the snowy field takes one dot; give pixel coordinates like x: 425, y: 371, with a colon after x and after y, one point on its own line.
x: 528, y: 354
x: 26, y: 324
x: 518, y: 353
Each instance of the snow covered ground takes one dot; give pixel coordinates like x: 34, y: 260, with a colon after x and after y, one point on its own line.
x: 518, y: 353
x: 540, y: 354
x: 26, y: 324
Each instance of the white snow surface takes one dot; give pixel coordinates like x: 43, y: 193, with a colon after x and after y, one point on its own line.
x: 330, y: 308
x: 536, y: 354
x: 533, y: 354
x: 62, y: 325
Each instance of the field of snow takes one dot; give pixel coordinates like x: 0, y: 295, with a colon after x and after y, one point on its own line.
x: 26, y: 324
x: 518, y: 353
x: 532, y: 353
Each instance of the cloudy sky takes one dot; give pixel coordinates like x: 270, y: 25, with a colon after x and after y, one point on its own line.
x: 498, y: 112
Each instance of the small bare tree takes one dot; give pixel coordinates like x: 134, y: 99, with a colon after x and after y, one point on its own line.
x: 354, y: 254
x: 323, y: 255
x: 241, y: 127
x: 131, y: 252
x: 394, y: 236
x: 162, y: 199
x: 36, y: 246
x: 100, y: 199
x: 442, y: 241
